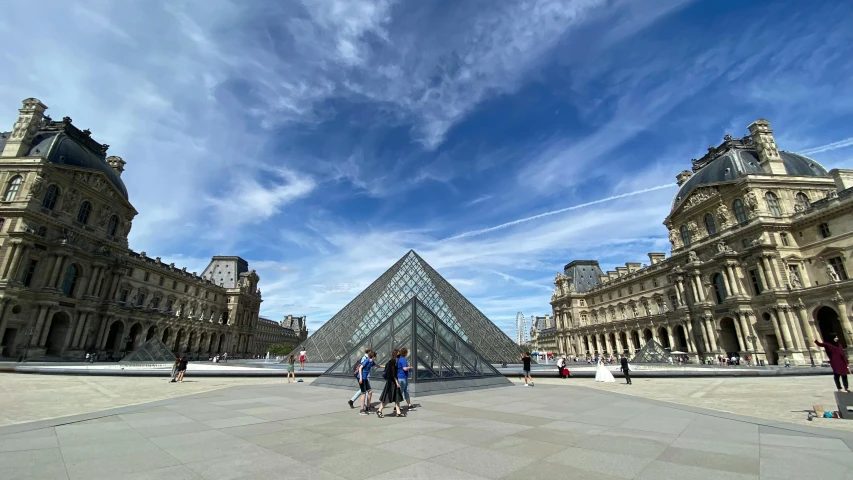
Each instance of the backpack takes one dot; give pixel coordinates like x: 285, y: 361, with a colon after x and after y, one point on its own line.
x: 359, y: 364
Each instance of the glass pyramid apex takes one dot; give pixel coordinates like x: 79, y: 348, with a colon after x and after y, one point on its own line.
x: 651, y: 352
x: 410, y: 277
x: 153, y: 350
x: 436, y: 352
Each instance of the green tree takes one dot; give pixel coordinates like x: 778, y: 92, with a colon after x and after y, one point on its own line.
x: 280, y: 349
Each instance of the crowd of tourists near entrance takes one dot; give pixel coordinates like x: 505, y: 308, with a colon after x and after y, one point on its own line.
x: 396, y: 376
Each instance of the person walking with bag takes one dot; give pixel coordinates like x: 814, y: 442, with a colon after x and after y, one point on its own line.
x: 363, y: 377
x: 391, y: 393
x: 403, y: 377
x: 837, y: 360
x: 625, y: 369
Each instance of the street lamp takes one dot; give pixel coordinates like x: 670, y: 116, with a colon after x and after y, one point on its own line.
x: 29, y: 335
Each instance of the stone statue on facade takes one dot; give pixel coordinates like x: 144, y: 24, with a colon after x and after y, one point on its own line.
x: 692, y: 257
x: 751, y: 202
x: 723, y: 214
x: 831, y: 273
x: 37, y: 186
x: 796, y: 283
x: 693, y: 228
x: 673, y: 238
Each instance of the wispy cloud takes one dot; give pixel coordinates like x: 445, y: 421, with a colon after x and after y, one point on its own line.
x: 847, y: 142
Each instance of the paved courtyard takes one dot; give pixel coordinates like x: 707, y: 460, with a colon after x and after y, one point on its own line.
x: 302, y: 431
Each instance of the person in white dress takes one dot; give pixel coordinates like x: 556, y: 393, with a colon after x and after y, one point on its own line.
x: 602, y: 374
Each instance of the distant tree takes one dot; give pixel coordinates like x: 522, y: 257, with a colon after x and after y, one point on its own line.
x: 280, y: 349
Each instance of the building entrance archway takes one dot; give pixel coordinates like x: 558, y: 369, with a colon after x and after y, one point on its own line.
x: 681, y: 339
x: 152, y: 332
x: 647, y: 335
x: 829, y: 324
x: 60, y: 327
x: 635, y: 337
x: 664, y: 338
x: 179, y: 338
x: 771, y: 349
x: 134, y: 339
x: 114, y: 337
x: 728, y: 337
x: 624, y: 339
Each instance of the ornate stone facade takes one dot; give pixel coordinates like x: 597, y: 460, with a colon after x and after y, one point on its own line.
x: 292, y: 330
x: 69, y: 283
x: 761, y: 243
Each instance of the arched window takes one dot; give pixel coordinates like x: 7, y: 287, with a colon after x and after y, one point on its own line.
x: 685, y: 235
x: 70, y: 280
x: 740, y: 213
x: 112, y: 226
x: 720, y: 288
x: 12, y: 188
x: 773, y: 204
x: 50, y: 197
x: 709, y: 224
x: 802, y: 200
x: 83, y: 213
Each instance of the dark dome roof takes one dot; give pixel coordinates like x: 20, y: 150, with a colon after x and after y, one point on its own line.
x: 735, y: 163
x: 60, y: 148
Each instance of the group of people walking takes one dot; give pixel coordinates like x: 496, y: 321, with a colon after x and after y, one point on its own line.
x: 396, y: 376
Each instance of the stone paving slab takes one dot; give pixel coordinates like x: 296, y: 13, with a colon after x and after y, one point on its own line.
x: 461, y: 435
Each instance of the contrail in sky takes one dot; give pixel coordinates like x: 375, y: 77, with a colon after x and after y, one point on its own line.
x: 555, y: 212
x: 847, y: 142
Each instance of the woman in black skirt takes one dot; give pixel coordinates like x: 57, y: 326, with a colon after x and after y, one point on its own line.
x: 391, y: 392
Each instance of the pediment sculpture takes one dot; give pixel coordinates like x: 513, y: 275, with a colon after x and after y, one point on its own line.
x: 699, y: 196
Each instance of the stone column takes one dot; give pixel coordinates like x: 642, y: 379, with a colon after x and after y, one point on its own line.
x: 725, y: 275
x: 691, y: 341
x: 45, y: 330
x: 705, y: 338
x: 741, y: 337
x: 81, y: 327
x: 669, y: 335
x: 712, y: 333
x: 679, y: 291
x: 807, y: 328
x: 8, y: 259
x: 771, y: 276
x: 734, y: 280
x: 619, y: 348
x: 762, y: 276
x: 845, y: 321
x: 43, y: 311
x: 16, y: 262
x: 93, y: 280
x: 777, y: 331
x: 56, y: 273
x: 4, y: 303
x: 793, y: 325
x: 786, y: 334
x: 100, y: 342
x: 747, y: 331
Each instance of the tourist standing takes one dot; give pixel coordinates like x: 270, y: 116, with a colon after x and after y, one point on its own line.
x: 302, y: 355
x: 182, y: 368
x: 391, y: 393
x: 837, y: 360
x: 175, y: 369
x: 602, y: 374
x: 525, y: 360
x: 625, y: 369
x: 291, y: 375
x: 403, y: 377
x: 363, y: 377
x: 358, y: 392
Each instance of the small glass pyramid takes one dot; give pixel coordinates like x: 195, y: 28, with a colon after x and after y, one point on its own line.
x: 411, y: 277
x: 435, y: 350
x: 652, y: 352
x: 153, y: 350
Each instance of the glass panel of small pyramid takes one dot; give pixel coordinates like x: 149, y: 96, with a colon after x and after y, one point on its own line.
x: 652, y: 352
x: 437, y: 353
x: 153, y: 350
x: 411, y: 277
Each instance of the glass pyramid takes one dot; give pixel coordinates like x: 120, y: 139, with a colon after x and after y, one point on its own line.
x: 652, y: 352
x: 153, y: 350
x: 411, y: 277
x: 435, y: 350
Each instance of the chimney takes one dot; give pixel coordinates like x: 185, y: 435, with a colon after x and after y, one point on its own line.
x: 843, y: 178
x: 656, y: 258
x: 768, y: 155
x: 116, y: 163
x: 29, y: 120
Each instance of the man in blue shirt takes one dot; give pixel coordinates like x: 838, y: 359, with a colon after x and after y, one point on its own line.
x: 363, y: 377
x: 354, y: 398
x: 403, y: 376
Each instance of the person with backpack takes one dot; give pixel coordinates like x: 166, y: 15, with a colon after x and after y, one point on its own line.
x: 363, y: 377
x: 403, y: 377
x: 355, y: 367
x: 391, y: 393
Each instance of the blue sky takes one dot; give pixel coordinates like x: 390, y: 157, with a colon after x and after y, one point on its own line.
x: 322, y: 139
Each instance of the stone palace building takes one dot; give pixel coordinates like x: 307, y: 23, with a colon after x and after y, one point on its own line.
x: 69, y: 284
x: 761, y: 244
x: 291, y: 331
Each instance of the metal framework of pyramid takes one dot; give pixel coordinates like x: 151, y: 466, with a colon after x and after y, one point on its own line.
x: 442, y: 360
x: 651, y: 352
x: 153, y: 350
x: 411, y: 277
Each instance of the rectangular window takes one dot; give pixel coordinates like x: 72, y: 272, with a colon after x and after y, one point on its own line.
x: 655, y: 282
x: 123, y: 298
x: 215, y: 295
x: 674, y: 300
x: 838, y: 265
x: 784, y: 237
x: 745, y: 243
x: 186, y: 288
x: 2, y: 223
x: 174, y: 284
x: 630, y: 290
x: 824, y: 230
x: 756, y: 282
x: 140, y: 299
x: 146, y: 276
x: 30, y: 272
x: 162, y: 279
x: 643, y: 286
x: 169, y: 305
x: 619, y: 292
